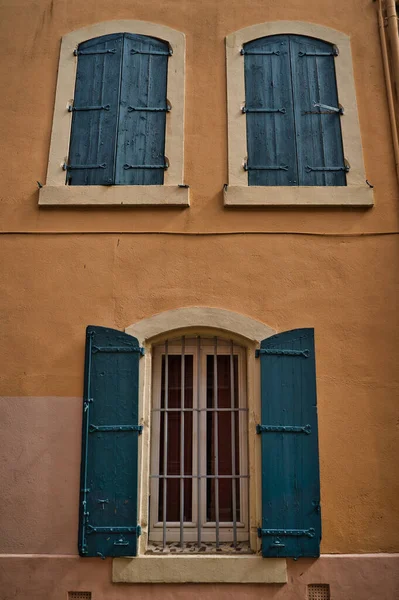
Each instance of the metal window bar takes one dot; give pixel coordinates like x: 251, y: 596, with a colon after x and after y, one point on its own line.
x: 182, y: 390
x: 216, y: 437
x: 233, y: 446
x: 210, y: 409
x: 234, y: 409
x: 198, y: 440
x: 165, y: 445
x: 199, y: 476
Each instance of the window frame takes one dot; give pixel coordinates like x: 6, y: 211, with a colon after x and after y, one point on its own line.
x: 199, y: 568
x: 207, y: 528
x: 56, y: 192
x: 237, y: 192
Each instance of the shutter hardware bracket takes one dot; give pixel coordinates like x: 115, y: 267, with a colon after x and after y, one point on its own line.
x: 281, y: 352
x: 122, y: 349
x: 291, y: 532
x: 284, y: 429
x: 72, y: 108
x: 268, y: 168
x: 94, y: 428
x: 263, y: 110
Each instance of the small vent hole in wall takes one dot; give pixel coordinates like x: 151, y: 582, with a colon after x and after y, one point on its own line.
x: 318, y: 591
x: 79, y: 595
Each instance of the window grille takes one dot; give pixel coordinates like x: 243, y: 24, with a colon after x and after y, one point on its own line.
x: 199, y: 466
x: 319, y: 591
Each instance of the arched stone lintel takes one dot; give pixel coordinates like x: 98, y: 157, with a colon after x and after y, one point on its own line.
x: 199, y: 316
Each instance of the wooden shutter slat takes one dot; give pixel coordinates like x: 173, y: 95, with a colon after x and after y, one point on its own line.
x: 291, y: 524
x: 270, y: 135
x: 318, y: 136
x: 141, y: 134
x: 109, y: 472
x: 93, y: 132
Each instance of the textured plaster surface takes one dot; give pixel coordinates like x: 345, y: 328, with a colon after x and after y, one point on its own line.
x: 56, y: 280
x: 351, y: 141
x: 347, y: 289
x: 370, y: 577
x: 31, y: 34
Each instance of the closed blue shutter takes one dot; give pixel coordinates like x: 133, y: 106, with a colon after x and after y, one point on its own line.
x: 269, y: 112
x: 108, y: 495
x: 318, y: 129
x: 95, y: 112
x: 291, y: 521
x: 141, y: 129
x: 293, y: 116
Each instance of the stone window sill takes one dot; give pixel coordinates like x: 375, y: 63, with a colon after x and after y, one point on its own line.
x: 345, y: 196
x: 199, y: 569
x: 114, y: 195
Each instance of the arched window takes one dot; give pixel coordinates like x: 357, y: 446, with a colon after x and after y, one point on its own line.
x: 119, y: 112
x: 199, y: 455
x: 292, y: 113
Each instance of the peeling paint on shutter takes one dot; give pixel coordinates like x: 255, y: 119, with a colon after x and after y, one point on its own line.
x: 270, y: 133
x: 93, y: 133
x: 142, y: 120
x: 318, y: 128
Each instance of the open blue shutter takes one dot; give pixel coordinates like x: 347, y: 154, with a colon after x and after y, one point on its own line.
x: 95, y: 112
x: 291, y: 521
x: 318, y: 129
x: 108, y: 495
x: 142, y: 120
x: 269, y: 112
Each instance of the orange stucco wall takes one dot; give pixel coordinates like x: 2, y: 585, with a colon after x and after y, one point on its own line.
x: 61, y: 269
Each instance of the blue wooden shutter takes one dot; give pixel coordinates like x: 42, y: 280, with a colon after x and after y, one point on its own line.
x: 269, y: 112
x: 317, y: 129
x: 291, y: 522
x: 95, y: 112
x: 108, y: 495
x: 142, y: 120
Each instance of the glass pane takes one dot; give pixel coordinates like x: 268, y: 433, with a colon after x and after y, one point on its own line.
x: 225, y: 446
x: 174, y: 423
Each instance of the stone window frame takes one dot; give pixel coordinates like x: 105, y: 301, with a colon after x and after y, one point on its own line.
x: 55, y: 191
x: 356, y: 193
x: 199, y: 568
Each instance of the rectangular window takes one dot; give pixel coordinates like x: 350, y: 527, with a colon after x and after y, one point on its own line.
x: 199, y: 464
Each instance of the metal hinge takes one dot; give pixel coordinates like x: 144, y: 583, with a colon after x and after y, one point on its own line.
x: 67, y: 167
x: 91, y: 529
x: 166, y: 108
x: 72, y: 108
x: 260, y: 52
x: 333, y: 53
x: 94, y: 428
x: 247, y: 167
x: 122, y: 349
x: 287, y: 532
x: 281, y: 352
x: 345, y: 168
x: 284, y: 429
x: 153, y: 52
x: 164, y: 166
x: 263, y: 110
x: 89, y: 52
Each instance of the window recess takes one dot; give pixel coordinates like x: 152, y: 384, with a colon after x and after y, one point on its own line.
x: 292, y: 113
x: 119, y: 112
x: 199, y: 455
